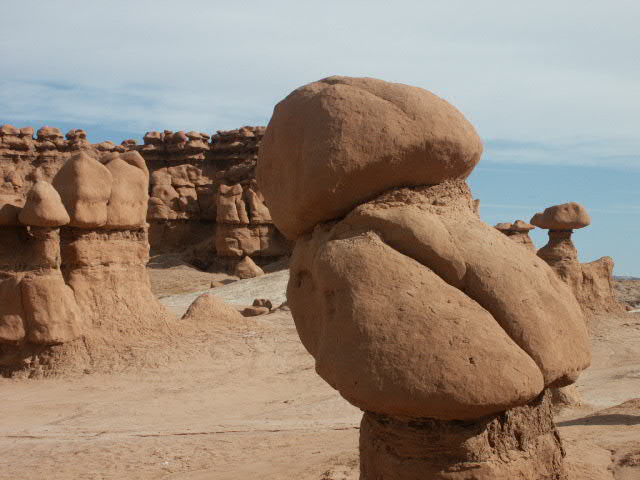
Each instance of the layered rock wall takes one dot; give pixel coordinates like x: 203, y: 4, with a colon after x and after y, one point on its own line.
x: 202, y: 194
x: 73, y: 255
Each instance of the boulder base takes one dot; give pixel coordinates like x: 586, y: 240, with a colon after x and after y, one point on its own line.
x: 521, y: 443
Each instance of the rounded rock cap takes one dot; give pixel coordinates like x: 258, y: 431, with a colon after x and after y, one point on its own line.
x: 335, y: 143
x: 84, y: 185
x: 568, y: 216
x: 43, y: 207
x: 49, y: 132
x: 521, y: 226
x: 504, y: 227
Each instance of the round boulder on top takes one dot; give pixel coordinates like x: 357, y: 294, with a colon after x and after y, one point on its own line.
x: 420, y: 139
x: 568, y: 216
x: 84, y: 185
x: 43, y: 207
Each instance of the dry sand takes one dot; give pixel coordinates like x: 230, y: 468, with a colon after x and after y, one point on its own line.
x: 240, y: 404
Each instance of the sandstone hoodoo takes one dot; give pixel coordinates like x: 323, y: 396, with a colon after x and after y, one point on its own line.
x: 518, y: 231
x: 37, y: 308
x: 206, y: 191
x: 443, y: 331
x: 72, y: 265
x: 591, y: 283
x: 190, y: 176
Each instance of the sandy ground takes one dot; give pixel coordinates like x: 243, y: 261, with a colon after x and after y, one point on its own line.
x: 251, y: 406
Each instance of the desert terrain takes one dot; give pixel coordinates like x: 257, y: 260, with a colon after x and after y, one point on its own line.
x: 245, y: 402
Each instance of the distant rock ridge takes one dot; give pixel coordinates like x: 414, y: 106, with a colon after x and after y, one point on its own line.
x: 193, y: 179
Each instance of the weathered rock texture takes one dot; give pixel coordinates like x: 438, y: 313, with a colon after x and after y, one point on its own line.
x: 444, y: 331
x: 591, y: 283
x: 198, y: 188
x: 73, y: 265
x: 518, y: 231
x: 521, y: 443
x: 190, y: 176
x: 361, y: 165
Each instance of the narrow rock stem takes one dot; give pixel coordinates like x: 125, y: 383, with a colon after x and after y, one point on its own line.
x: 521, y: 443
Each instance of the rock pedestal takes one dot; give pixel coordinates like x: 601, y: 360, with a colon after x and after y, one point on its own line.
x: 591, y: 283
x: 445, y: 332
x: 187, y: 171
x: 73, y: 264
x: 521, y: 443
x: 560, y: 252
x: 518, y: 231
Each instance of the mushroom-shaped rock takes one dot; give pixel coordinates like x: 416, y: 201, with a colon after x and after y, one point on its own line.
x: 43, y: 207
x: 414, y: 309
x: 84, y: 185
x: 419, y: 139
x: 568, y: 216
x: 518, y: 231
x: 591, y: 283
x: 129, y: 198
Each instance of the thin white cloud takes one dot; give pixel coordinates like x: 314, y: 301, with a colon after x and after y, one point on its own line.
x: 550, y: 73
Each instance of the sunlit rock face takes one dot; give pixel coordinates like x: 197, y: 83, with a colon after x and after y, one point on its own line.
x: 431, y: 321
x: 186, y: 173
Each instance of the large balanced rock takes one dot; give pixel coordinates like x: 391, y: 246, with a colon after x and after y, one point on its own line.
x: 414, y: 309
x: 591, y: 283
x: 568, y: 216
x: 336, y: 116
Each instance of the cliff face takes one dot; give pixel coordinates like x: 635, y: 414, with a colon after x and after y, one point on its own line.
x: 203, y: 198
x: 73, y: 257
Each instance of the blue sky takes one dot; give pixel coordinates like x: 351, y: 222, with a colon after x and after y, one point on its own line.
x: 552, y: 87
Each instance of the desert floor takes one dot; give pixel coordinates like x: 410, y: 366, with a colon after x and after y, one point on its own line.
x: 247, y: 404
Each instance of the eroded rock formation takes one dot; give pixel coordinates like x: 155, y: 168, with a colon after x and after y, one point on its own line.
x: 518, y: 231
x: 73, y: 262
x: 591, y: 283
x: 200, y: 187
x: 190, y: 175
x: 37, y: 308
x: 444, y: 331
